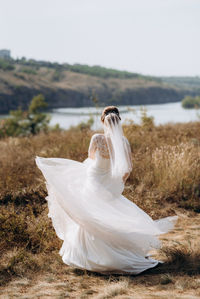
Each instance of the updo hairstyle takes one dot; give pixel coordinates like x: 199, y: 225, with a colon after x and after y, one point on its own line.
x: 113, y: 113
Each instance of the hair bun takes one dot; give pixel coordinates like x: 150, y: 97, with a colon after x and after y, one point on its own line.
x: 110, y: 110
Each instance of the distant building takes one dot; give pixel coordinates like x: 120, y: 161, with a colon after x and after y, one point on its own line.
x: 5, y: 54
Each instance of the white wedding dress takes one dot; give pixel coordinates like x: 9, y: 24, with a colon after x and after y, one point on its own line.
x: 101, y: 230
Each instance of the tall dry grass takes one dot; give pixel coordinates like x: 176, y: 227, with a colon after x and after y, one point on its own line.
x: 165, y: 177
x: 166, y: 162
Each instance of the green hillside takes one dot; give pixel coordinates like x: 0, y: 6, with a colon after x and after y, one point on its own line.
x: 191, y: 83
x: 65, y: 85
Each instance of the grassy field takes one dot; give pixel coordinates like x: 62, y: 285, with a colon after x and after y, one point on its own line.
x: 165, y: 181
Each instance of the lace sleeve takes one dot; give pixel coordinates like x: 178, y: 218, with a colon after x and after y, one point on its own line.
x: 98, y: 143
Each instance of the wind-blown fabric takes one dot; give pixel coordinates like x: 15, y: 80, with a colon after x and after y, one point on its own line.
x: 101, y: 230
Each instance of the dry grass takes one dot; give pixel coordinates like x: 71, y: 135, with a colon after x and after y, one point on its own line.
x: 165, y: 181
x: 178, y: 277
x: 166, y: 162
x: 114, y: 289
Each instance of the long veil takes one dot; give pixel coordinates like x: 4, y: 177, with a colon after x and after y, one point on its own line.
x: 118, y: 146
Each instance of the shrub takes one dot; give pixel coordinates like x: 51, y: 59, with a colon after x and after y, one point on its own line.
x: 57, y: 76
x: 6, y: 65
x: 146, y: 121
x: 190, y: 103
x: 84, y: 125
x: 24, y: 123
x: 29, y: 70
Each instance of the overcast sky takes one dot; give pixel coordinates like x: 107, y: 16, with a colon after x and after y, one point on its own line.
x: 153, y: 37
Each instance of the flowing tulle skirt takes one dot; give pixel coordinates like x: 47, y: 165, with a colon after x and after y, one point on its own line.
x: 101, y: 230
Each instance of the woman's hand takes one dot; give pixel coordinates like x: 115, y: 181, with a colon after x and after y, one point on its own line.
x: 125, y: 177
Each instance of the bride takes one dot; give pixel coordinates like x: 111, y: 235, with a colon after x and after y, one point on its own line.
x: 101, y: 230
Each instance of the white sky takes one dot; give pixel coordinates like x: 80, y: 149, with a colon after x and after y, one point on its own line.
x: 154, y: 37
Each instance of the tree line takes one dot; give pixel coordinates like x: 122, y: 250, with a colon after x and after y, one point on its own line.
x: 96, y: 70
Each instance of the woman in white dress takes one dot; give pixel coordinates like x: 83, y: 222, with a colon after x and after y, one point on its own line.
x: 102, y: 231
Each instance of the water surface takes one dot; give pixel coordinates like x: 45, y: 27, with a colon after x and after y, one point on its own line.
x: 162, y: 114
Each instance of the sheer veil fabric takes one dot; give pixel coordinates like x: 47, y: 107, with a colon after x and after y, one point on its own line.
x: 101, y: 230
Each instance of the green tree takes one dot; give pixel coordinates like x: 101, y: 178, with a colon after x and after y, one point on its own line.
x: 37, y: 104
x: 38, y: 121
x: 24, y: 123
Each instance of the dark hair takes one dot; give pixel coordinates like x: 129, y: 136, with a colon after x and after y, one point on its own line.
x: 108, y: 110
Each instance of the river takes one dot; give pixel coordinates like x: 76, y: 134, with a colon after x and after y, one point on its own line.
x: 162, y: 114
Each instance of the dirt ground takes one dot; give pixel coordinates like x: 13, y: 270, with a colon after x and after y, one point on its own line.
x: 163, y: 282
